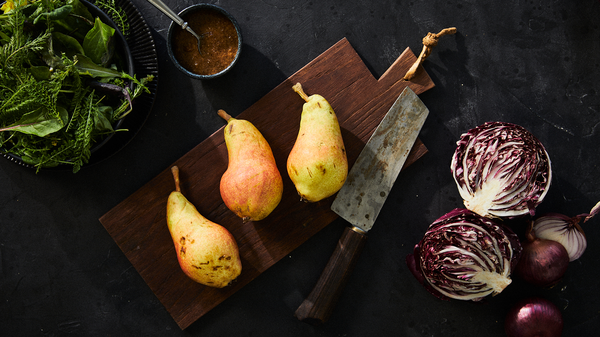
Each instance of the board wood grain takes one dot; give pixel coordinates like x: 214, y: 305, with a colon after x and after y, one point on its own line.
x: 138, y: 223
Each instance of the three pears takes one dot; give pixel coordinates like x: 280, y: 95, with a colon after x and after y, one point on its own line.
x: 317, y: 163
x: 206, y: 251
x: 252, y: 186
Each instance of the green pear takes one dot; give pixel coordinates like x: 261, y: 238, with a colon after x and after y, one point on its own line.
x: 251, y: 187
x: 317, y: 164
x: 206, y: 251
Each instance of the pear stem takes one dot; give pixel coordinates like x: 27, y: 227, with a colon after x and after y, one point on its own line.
x: 175, y: 171
x: 429, y: 41
x: 224, y: 115
x: 298, y: 88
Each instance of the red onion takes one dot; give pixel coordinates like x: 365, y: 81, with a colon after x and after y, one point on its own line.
x: 534, y: 317
x: 543, y: 262
x: 465, y: 256
x: 566, y: 230
x: 501, y: 170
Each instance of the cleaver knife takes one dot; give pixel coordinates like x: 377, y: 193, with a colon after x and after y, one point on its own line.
x: 361, y: 198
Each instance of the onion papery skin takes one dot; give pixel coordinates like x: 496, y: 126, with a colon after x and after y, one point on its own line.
x: 534, y: 317
x: 501, y: 170
x: 563, y: 229
x: 465, y: 256
x: 543, y: 262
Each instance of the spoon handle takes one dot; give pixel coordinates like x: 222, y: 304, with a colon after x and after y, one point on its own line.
x: 169, y: 12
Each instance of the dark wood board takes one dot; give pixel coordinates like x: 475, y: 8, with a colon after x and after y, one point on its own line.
x: 138, y: 223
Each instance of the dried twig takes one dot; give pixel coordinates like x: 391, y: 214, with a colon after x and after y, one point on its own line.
x: 429, y: 41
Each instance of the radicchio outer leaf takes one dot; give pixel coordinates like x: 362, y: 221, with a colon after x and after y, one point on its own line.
x: 501, y: 170
x: 465, y: 256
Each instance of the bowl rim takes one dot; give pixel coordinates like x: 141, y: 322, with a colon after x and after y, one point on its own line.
x: 173, y: 25
x: 122, y: 41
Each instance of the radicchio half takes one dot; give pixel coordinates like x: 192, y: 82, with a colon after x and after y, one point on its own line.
x: 465, y: 256
x: 501, y: 170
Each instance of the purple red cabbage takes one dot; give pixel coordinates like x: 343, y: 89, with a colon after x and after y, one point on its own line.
x: 501, y: 170
x: 465, y: 256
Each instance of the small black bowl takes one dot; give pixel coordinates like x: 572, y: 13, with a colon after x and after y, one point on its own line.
x: 175, y: 27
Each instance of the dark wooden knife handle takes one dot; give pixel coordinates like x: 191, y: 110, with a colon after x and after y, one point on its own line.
x: 318, y: 306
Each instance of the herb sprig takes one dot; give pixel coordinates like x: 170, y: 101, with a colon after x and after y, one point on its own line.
x: 51, y: 52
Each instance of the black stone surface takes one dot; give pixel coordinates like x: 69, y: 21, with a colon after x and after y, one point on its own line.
x: 534, y: 63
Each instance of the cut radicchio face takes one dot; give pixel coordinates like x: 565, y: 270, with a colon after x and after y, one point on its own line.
x: 501, y: 170
x: 465, y: 256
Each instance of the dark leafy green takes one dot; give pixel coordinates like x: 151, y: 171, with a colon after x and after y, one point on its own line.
x: 38, y: 123
x: 49, y: 51
x: 97, y: 43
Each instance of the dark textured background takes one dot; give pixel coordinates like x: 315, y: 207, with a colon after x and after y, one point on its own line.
x: 534, y: 63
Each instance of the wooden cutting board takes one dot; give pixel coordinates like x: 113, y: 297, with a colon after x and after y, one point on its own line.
x: 138, y: 223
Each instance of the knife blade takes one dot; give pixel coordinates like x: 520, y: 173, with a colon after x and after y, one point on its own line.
x: 361, y: 198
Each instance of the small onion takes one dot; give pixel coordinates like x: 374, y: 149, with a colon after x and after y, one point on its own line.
x: 565, y: 230
x: 465, y: 256
x: 543, y: 262
x: 534, y: 317
x: 501, y: 170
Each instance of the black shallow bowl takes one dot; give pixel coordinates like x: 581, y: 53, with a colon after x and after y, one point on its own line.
x: 173, y: 26
x: 144, y: 45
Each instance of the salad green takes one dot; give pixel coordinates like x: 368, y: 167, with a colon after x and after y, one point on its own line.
x: 51, y: 54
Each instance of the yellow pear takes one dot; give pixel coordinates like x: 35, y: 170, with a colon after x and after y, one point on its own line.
x: 206, y: 251
x: 251, y: 187
x: 317, y: 164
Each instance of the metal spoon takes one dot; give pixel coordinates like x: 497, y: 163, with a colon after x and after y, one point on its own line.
x: 184, y: 25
